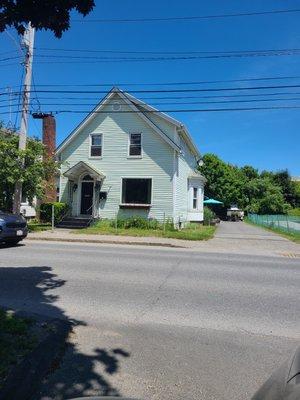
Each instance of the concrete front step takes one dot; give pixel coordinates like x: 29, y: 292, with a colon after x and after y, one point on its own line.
x: 74, y: 223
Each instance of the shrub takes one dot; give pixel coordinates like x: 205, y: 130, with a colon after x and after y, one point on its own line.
x: 135, y: 222
x: 208, y: 216
x: 294, y: 211
x: 60, y: 209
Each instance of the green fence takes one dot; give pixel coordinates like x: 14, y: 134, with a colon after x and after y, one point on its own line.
x: 285, y: 223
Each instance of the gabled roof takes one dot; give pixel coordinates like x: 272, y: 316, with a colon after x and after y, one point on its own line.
x: 83, y: 167
x: 141, y: 108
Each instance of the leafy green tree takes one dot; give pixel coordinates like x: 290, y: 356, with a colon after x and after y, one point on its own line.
x: 33, y: 175
x: 288, y: 187
x: 53, y: 15
x: 264, y: 197
x: 259, y: 193
x: 225, y: 182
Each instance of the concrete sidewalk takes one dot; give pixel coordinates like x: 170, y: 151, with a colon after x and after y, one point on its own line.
x: 230, y: 237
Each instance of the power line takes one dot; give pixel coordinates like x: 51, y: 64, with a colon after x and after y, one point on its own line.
x: 112, y: 84
x: 94, y: 60
x: 187, y: 18
x: 282, y: 107
x: 171, y: 103
x: 161, y: 51
x: 170, y: 90
x: 96, y: 99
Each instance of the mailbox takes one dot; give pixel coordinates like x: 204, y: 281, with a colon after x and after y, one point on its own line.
x: 102, y: 195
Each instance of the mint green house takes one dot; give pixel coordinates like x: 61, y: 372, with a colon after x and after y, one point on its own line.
x: 127, y: 158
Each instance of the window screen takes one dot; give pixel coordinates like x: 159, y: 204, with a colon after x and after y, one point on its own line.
x: 136, y: 191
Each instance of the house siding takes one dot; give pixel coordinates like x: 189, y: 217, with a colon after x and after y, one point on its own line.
x: 156, y: 163
x: 186, y: 165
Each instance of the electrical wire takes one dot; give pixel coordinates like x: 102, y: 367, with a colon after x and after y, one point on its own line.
x: 95, y: 60
x: 169, y: 83
x: 188, y: 18
x: 168, y: 90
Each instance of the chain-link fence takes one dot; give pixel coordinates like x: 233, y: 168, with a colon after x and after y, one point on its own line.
x: 285, y: 223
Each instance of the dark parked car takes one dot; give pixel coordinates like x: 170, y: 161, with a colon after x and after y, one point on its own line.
x: 13, y: 228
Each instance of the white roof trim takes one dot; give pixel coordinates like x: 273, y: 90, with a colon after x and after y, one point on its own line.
x: 130, y: 100
x: 82, y: 167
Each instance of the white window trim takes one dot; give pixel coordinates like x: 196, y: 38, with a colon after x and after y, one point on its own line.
x: 90, y: 145
x: 195, y: 198
x: 136, y: 177
x: 191, y: 185
x: 128, y: 146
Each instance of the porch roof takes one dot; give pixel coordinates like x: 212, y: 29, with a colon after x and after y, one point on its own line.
x: 83, y: 168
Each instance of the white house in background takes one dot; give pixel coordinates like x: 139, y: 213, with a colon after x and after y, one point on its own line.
x: 126, y: 158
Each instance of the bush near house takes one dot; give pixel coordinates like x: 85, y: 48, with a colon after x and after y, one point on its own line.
x: 60, y: 209
x: 208, y: 215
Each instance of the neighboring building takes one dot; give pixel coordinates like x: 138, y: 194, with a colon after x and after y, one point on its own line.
x: 28, y: 209
x: 127, y: 158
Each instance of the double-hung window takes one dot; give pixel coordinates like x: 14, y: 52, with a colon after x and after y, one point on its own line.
x: 195, y: 198
x: 135, y: 145
x: 96, y: 145
x: 136, y: 191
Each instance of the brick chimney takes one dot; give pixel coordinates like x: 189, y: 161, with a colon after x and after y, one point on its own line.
x: 49, y: 140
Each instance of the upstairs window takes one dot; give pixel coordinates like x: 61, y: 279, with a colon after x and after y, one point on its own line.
x: 96, y: 145
x: 135, y: 145
x: 136, y: 190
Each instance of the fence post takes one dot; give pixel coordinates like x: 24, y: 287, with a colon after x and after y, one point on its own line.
x: 287, y: 223
x: 52, y: 217
x: 164, y: 223
x: 116, y: 223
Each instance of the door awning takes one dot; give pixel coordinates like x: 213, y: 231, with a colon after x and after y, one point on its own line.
x: 83, y: 168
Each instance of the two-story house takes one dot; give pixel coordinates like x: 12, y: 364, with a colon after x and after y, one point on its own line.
x: 126, y: 158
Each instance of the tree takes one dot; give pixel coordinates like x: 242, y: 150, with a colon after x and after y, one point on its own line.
x: 33, y: 175
x: 264, y: 197
x: 51, y: 14
x: 225, y: 182
x: 288, y: 187
x: 259, y: 193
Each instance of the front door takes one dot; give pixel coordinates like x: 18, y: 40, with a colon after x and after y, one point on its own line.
x: 87, y: 191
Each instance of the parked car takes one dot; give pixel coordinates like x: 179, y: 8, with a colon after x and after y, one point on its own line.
x: 13, y: 228
x: 235, y: 214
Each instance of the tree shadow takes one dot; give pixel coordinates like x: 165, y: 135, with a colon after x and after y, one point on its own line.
x: 28, y: 289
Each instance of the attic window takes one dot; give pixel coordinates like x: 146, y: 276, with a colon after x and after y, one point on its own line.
x: 116, y: 106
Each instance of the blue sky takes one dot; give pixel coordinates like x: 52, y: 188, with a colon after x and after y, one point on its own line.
x: 266, y: 139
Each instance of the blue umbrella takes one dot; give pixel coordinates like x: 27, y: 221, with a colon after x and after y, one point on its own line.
x: 212, y: 201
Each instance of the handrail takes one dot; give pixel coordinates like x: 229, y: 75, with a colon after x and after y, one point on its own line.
x: 92, y: 215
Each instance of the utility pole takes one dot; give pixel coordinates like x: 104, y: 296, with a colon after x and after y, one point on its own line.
x: 28, y: 43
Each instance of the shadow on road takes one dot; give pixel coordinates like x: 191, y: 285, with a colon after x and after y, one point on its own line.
x: 30, y: 289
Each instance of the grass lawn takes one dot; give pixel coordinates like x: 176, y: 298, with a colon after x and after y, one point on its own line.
x: 38, y: 227
x: 16, y: 340
x: 294, y: 236
x: 192, y: 232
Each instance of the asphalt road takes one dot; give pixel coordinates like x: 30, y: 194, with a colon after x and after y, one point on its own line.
x: 157, y: 323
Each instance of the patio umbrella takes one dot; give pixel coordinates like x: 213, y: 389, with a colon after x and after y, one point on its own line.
x: 212, y: 201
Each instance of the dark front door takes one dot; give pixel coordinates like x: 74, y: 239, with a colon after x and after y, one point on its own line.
x: 87, y: 191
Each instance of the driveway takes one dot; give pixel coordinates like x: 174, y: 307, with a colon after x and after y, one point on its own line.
x: 155, y: 323
x: 243, y: 238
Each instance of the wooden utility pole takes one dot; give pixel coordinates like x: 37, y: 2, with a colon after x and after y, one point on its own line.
x: 28, y: 43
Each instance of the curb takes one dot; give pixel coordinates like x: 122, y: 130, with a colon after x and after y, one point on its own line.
x: 26, y: 378
x: 107, y: 241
